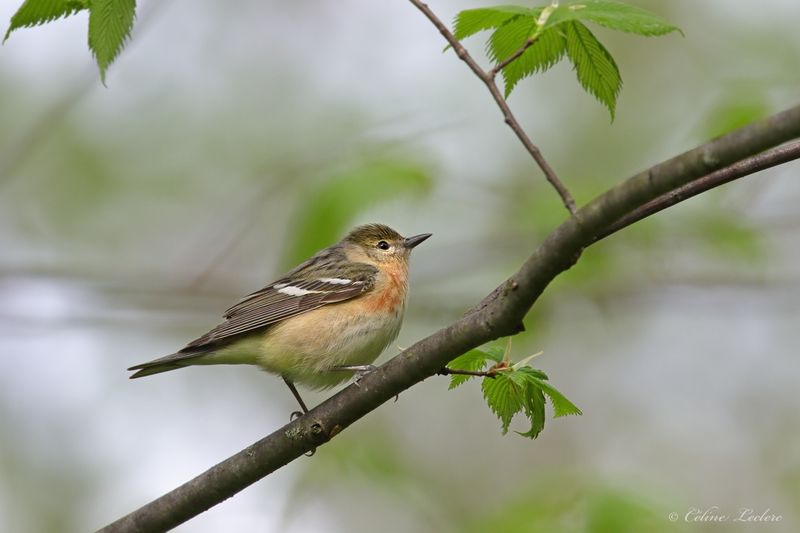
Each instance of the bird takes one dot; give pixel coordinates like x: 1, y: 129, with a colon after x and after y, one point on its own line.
x: 319, y: 324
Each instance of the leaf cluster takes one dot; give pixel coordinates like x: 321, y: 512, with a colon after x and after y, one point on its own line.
x: 547, y: 34
x: 510, y: 389
x: 110, y: 23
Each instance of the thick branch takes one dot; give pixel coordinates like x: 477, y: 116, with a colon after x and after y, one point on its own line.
x: 751, y: 165
x: 496, y: 316
x: 510, y: 119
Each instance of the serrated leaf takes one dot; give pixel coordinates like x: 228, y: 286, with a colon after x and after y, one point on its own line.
x: 558, y: 15
x: 36, y: 12
x: 472, y: 361
x: 561, y: 405
x: 533, y: 406
x: 596, y: 69
x: 546, y: 51
x: 532, y: 399
x: 509, y: 37
x: 110, y: 23
x: 622, y: 17
x: 530, y: 371
x: 504, y: 397
x: 495, y: 353
x: 471, y: 21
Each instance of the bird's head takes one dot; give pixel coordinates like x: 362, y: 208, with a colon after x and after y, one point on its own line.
x: 381, y: 244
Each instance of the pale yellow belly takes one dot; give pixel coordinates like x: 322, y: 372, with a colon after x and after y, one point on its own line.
x: 306, y: 348
x: 330, y: 340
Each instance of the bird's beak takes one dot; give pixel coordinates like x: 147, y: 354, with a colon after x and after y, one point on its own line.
x: 411, y: 242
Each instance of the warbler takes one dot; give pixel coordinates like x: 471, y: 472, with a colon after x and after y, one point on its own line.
x: 325, y: 319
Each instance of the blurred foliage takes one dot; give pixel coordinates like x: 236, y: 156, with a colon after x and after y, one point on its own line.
x: 372, y: 458
x: 576, y: 505
x: 735, y: 109
x: 726, y: 235
x: 554, y: 501
x: 327, y: 210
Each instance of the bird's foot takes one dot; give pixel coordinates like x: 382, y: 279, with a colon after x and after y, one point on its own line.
x: 360, y: 371
x: 294, y: 416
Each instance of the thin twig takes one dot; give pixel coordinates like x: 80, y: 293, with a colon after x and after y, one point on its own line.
x: 455, y: 372
x: 488, y: 80
x: 513, y: 57
x: 756, y: 163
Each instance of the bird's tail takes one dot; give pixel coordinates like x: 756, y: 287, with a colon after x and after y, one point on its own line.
x: 165, y: 364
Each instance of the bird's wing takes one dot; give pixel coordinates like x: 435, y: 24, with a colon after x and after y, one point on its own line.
x: 292, y: 295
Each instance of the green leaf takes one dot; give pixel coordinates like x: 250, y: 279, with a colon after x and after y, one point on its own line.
x: 509, y: 37
x: 36, y: 12
x: 597, y: 72
x: 495, y: 352
x: 328, y: 209
x: 514, y: 389
x: 622, y: 17
x: 561, y: 405
x: 528, y: 371
x: 533, y: 383
x: 504, y: 397
x: 472, y: 361
x: 110, y: 23
x: 545, y: 52
x: 534, y: 410
x: 471, y: 21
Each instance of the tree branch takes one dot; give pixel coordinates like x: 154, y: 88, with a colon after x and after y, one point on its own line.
x: 496, y: 316
x: 510, y: 119
x: 751, y: 165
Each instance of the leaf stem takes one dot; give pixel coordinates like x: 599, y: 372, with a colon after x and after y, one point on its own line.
x: 445, y: 371
x: 513, y: 57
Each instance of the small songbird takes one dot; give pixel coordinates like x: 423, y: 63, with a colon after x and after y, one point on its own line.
x: 327, y: 318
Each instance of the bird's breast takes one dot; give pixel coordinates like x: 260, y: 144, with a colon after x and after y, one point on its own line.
x: 389, y: 294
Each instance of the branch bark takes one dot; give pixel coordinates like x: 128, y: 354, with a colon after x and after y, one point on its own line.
x: 497, y: 315
x: 751, y: 165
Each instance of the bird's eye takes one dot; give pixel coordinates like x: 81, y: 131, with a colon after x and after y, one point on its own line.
x: 383, y: 245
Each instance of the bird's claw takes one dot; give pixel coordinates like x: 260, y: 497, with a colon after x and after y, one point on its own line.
x: 294, y: 416
x: 362, y: 373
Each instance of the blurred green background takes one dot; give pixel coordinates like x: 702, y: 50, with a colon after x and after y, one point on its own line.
x: 233, y: 141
